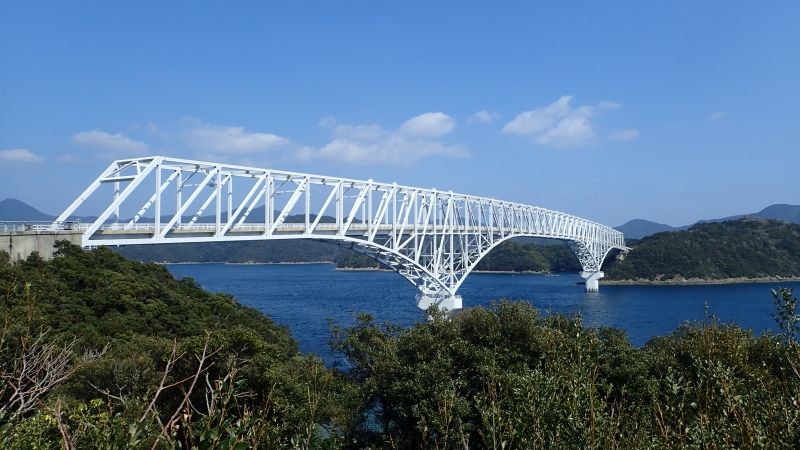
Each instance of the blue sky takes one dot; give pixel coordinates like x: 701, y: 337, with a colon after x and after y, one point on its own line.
x: 670, y: 111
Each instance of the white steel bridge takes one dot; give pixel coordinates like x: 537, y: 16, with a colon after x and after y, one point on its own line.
x: 432, y: 238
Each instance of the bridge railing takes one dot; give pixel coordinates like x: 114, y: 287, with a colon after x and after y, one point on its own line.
x: 40, y: 226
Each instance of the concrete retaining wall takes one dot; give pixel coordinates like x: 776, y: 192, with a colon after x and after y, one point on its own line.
x: 20, y: 244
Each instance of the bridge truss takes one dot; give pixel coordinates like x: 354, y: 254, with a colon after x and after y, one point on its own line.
x: 432, y: 238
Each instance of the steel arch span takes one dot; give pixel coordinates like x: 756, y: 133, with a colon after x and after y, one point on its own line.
x: 432, y: 238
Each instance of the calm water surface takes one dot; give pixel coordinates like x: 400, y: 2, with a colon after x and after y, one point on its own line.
x: 304, y: 296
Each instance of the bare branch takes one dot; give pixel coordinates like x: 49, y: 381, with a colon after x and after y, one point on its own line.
x: 69, y: 444
x: 170, y: 364
x: 201, y: 368
x: 33, y: 370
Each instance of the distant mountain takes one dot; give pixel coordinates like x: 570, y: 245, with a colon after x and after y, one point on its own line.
x: 12, y: 209
x: 779, y: 211
x: 786, y: 213
x: 782, y: 212
x: 639, y: 228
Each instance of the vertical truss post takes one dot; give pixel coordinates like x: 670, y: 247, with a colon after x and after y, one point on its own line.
x: 116, y: 197
x: 157, y: 221
x: 308, y: 207
x: 178, y: 193
x: 230, y: 199
x: 218, y: 203
x: 269, y: 204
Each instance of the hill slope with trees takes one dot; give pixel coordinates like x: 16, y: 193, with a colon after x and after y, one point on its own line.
x: 280, y: 251
x: 738, y: 249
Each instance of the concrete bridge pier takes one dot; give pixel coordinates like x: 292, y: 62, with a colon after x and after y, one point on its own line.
x: 446, y: 302
x: 592, y: 283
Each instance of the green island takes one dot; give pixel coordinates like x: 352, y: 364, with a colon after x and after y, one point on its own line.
x: 742, y: 250
x: 97, y: 351
x: 735, y: 250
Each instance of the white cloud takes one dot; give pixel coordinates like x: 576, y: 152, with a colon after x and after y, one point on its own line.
x: 19, y: 155
x: 539, y: 120
x: 224, y: 139
x: 430, y: 124
x: 305, y: 153
x: 359, y: 132
x: 608, y: 106
x: 716, y: 116
x: 559, y: 124
x: 69, y: 158
x: 569, y: 131
x: 393, y: 150
x: 118, y: 142
x: 483, y: 117
x: 417, y: 138
x: 624, y: 135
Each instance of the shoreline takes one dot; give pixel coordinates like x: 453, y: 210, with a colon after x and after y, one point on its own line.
x: 363, y: 269
x: 514, y: 272
x: 698, y: 281
x: 501, y: 272
x: 604, y: 282
x: 186, y: 263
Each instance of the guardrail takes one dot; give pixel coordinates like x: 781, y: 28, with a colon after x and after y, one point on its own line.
x: 18, y: 226
x: 149, y: 227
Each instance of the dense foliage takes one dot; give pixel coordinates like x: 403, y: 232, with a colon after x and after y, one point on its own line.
x: 291, y: 251
x: 100, y: 352
x: 101, y: 296
x: 104, y: 352
x: 301, y: 250
x: 505, y: 377
x: 515, y: 256
x: 353, y: 260
x: 745, y: 248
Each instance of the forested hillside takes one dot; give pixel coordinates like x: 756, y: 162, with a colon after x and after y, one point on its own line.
x: 513, y: 256
x: 300, y: 250
x: 746, y: 248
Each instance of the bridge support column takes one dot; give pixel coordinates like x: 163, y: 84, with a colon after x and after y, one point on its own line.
x: 445, y: 301
x: 592, y: 284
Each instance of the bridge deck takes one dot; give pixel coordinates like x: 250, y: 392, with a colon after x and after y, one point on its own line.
x: 124, y: 234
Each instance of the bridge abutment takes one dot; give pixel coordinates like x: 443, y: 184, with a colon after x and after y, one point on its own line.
x: 20, y: 244
x: 592, y: 280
